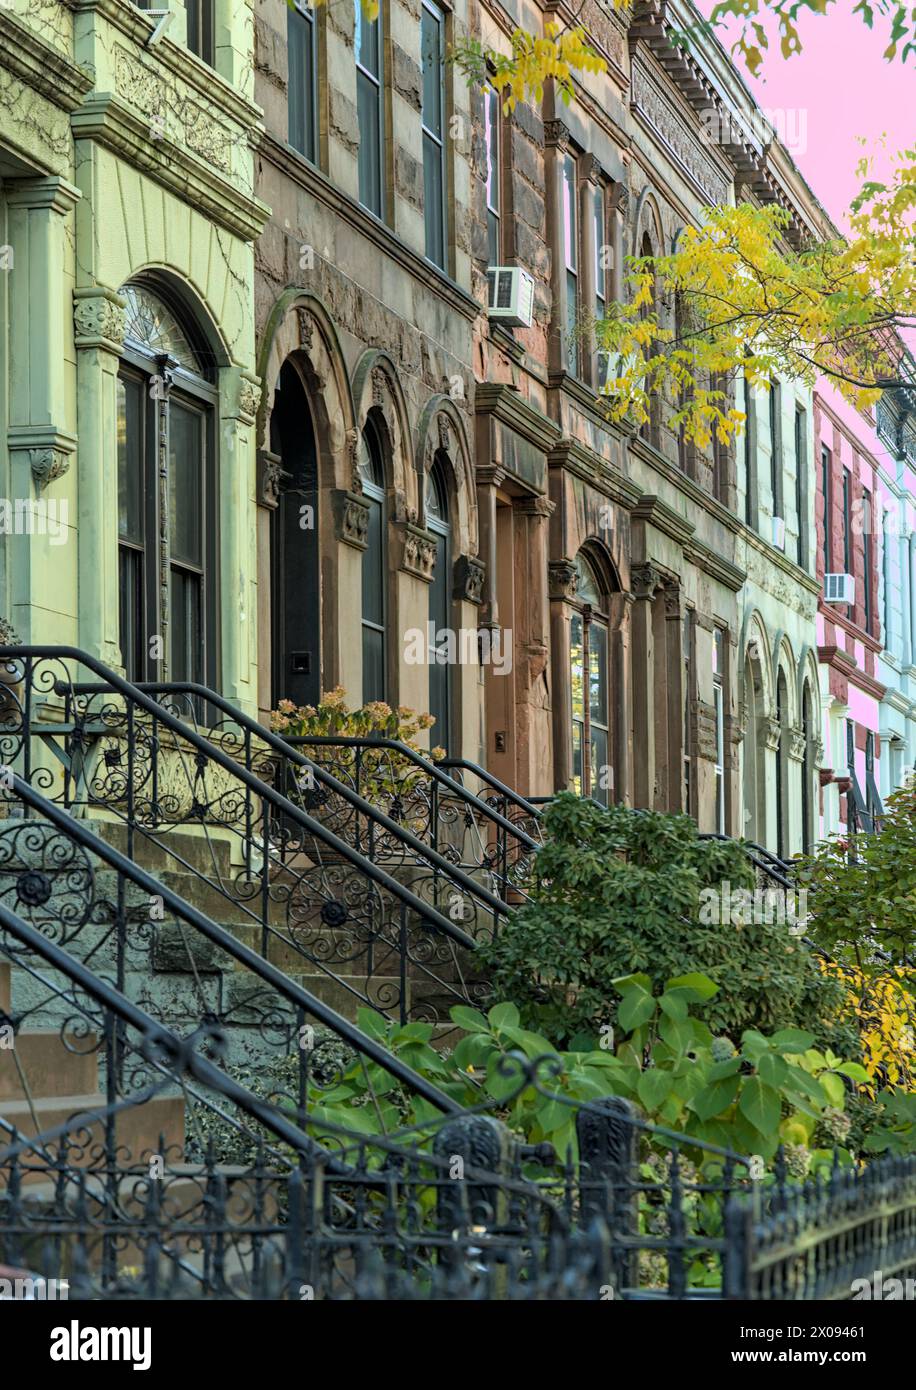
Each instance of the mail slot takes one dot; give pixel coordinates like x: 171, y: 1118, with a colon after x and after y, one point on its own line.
x: 301, y: 663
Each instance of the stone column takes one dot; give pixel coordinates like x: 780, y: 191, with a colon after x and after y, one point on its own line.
x: 769, y: 735
x: 671, y: 695
x: 239, y: 394
x: 268, y: 483
x: 41, y: 434
x: 646, y: 581
x: 556, y: 141
x: 488, y: 481
x: 534, y: 770
x: 619, y: 204
x: 561, y: 589
x: 620, y: 677
x: 98, y: 315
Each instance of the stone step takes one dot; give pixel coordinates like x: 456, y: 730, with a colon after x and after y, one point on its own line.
x: 138, y: 1128
x: 158, y: 849
x: 53, y: 1065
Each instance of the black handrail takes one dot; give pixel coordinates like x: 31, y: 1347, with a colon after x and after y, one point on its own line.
x: 260, y: 788
x: 280, y: 745
x: 294, y: 993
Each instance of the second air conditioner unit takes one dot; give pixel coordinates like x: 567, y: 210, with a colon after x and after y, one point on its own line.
x: 839, y: 588
x: 779, y: 532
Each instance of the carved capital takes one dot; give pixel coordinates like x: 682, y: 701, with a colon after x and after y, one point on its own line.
x: 306, y: 327
x: 672, y: 593
x: 469, y: 577
x: 562, y: 579
x: 619, y: 199
x: 535, y: 506
x: 556, y: 133
x: 645, y: 581
x: 98, y: 318
x: 351, y: 518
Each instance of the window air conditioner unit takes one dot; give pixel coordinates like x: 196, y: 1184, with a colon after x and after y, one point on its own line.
x: 839, y: 588
x: 511, y: 296
x: 779, y: 532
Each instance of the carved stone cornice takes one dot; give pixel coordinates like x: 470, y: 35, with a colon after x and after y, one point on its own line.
x: 192, y: 175
x: 619, y: 199
x: 98, y: 318
x: 562, y: 579
x: 270, y: 475
x: 656, y: 109
x: 41, y: 67
x: 351, y: 518
x: 469, y: 576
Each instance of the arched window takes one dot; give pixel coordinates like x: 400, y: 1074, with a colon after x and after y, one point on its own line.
x: 588, y: 641
x: 375, y: 568
x: 167, y: 518
x: 440, y: 607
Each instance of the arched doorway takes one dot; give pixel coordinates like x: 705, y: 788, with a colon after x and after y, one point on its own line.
x: 295, y: 590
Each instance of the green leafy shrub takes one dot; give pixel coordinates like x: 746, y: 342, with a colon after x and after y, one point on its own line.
x: 616, y: 891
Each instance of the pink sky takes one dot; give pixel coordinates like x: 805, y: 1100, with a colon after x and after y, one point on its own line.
x: 847, y: 90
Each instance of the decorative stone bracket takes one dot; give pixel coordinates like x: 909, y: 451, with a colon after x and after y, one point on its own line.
x: 351, y: 518
x: 469, y: 577
x: 49, y: 451
x: 270, y: 477
x: 415, y: 550
x: 98, y: 318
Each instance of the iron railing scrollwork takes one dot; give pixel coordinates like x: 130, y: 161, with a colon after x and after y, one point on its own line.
x: 395, y: 932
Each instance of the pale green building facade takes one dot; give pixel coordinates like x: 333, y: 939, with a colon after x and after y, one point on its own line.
x: 128, y: 393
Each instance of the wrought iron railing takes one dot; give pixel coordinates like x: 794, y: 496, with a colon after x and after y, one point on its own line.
x: 396, y: 931
x: 453, y: 1207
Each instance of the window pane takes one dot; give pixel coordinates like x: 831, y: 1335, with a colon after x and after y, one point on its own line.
x: 597, y: 669
x: 431, y: 55
x: 368, y: 102
x: 373, y: 568
x: 432, y: 200
x: 130, y: 460
x: 576, y: 657
x: 569, y: 212
x: 577, y: 758
x: 130, y: 611
x: 572, y: 315
x: 373, y: 665
x: 185, y: 484
x: 600, y: 291
x: 200, y: 28
x: 300, y: 34
x: 186, y: 627
x: 366, y: 40
x: 599, y: 765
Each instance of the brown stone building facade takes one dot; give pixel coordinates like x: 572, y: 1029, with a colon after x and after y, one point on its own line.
x: 425, y: 469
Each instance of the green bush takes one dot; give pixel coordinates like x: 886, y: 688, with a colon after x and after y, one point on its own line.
x: 617, y: 891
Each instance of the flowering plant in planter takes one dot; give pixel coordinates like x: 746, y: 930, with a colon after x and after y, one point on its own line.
x: 389, y: 780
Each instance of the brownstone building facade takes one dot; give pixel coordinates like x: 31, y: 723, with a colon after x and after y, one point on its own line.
x: 426, y: 467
